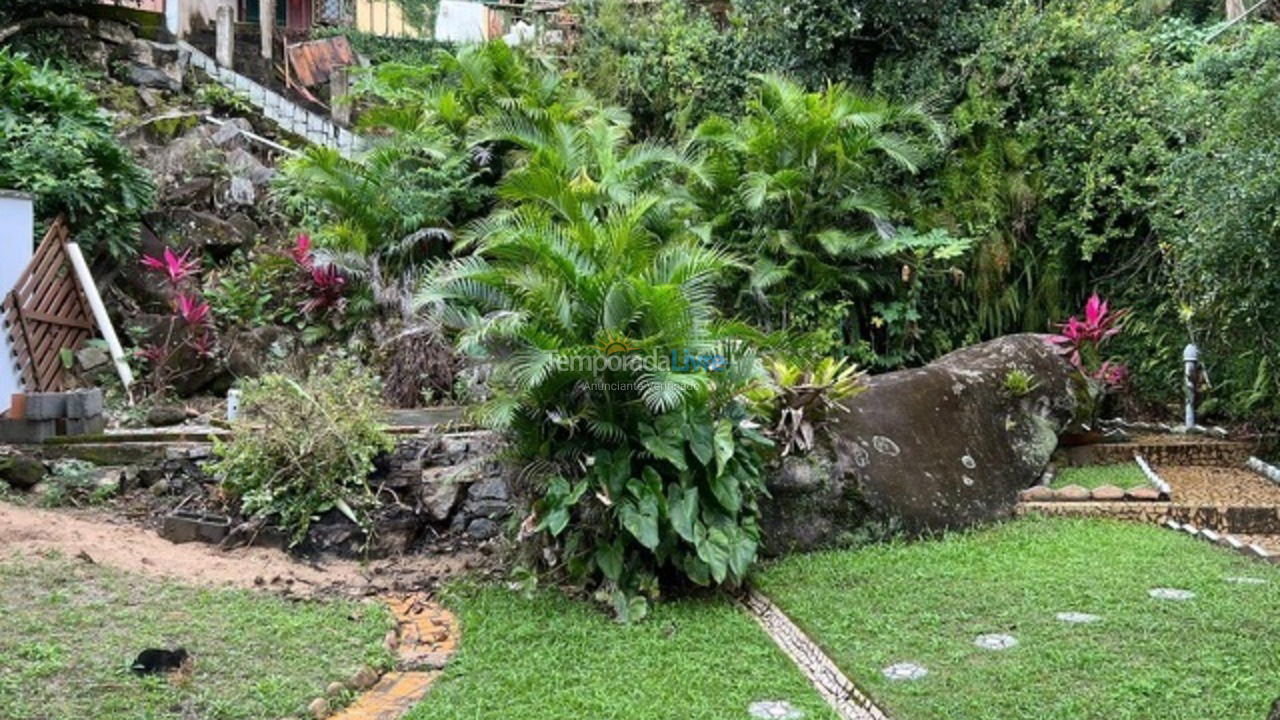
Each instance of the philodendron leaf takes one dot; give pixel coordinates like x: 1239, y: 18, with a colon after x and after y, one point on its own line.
x: 682, y: 506
x: 701, y: 436
x: 724, y: 486
x: 640, y: 518
x: 663, y: 446
x: 609, y: 558
x: 714, y: 551
x: 723, y: 444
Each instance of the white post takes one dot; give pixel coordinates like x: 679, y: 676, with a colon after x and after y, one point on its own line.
x: 100, y: 314
x: 1190, y: 377
x: 226, y: 36
x: 17, y: 245
x: 267, y: 25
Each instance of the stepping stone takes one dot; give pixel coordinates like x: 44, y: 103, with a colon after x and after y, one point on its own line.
x: 1170, y: 594
x: 1108, y: 493
x: 995, y: 641
x: 1071, y: 492
x: 1078, y: 617
x: 1241, y: 580
x: 774, y: 710
x: 1142, y: 493
x: 1039, y: 493
x: 904, y: 671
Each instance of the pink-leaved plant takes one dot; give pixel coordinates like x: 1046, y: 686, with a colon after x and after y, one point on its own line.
x: 1081, y: 339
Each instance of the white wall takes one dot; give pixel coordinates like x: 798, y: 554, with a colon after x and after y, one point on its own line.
x: 17, y: 245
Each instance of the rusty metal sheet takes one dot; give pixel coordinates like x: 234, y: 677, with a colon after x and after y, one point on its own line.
x: 311, y: 62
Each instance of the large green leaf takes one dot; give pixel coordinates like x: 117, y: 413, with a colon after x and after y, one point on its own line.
x: 723, y: 444
x: 682, y: 507
x: 609, y: 559
x: 665, y: 446
x: 640, y: 518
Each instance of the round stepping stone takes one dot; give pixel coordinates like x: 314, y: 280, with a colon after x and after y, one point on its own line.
x: 905, y: 671
x: 774, y: 710
x: 1170, y: 594
x: 1078, y: 617
x: 995, y: 641
x: 1241, y: 580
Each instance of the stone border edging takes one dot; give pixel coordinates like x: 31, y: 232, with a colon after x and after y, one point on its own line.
x: 1042, y: 493
x: 841, y: 694
x: 1156, y: 481
x: 1231, y: 542
x: 1264, y: 468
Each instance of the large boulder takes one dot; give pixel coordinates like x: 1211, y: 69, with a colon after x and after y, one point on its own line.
x: 938, y: 447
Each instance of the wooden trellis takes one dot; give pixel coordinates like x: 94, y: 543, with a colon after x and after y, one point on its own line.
x: 45, y: 313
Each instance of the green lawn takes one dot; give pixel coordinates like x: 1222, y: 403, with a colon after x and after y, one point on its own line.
x: 554, y: 658
x: 1124, y: 476
x: 69, y: 631
x: 1214, y: 656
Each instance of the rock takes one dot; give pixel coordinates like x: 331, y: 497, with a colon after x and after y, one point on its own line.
x: 492, y: 489
x: 439, y: 499
x: 149, y: 76
x: 1039, y: 493
x: 483, y: 529
x: 1072, y: 493
x: 426, y: 661
x: 244, y: 225
x: 363, y: 679
x: 113, y: 32
x: 165, y: 415
x: 931, y: 448
x: 163, y: 129
x: 1107, y: 493
x: 335, y: 689
x: 206, y: 230
x: 91, y: 357
x: 248, y: 177
x: 22, y: 471
x: 319, y: 708
x: 197, y: 191
x: 1143, y: 493
x: 230, y: 133
x: 161, y: 487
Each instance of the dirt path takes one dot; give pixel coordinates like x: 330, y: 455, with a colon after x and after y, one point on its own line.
x: 28, y: 531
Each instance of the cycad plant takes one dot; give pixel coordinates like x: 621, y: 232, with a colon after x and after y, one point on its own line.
x: 612, y: 373
x: 799, y: 185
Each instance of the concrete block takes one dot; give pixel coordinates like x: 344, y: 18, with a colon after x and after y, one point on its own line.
x: 27, y: 431
x: 85, y: 426
x: 46, y: 406
x: 84, y: 403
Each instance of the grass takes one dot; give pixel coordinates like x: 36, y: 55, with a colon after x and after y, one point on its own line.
x: 1210, y: 657
x: 553, y: 658
x: 69, y: 631
x: 1123, y: 475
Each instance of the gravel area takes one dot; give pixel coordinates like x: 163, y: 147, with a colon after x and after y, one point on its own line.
x: 1270, y: 543
x: 1200, y: 485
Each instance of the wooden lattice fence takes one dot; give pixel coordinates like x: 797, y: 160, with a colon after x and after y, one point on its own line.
x: 47, y: 313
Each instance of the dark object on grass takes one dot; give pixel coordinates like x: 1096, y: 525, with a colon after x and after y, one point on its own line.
x: 1275, y: 710
x: 151, y: 661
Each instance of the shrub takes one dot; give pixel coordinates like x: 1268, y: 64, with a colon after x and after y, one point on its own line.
x: 304, y: 446
x: 800, y: 185
x: 581, y: 291
x: 56, y: 144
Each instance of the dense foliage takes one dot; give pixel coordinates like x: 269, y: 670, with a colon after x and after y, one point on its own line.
x: 799, y: 185
x: 305, y: 445
x: 587, y: 291
x: 56, y: 144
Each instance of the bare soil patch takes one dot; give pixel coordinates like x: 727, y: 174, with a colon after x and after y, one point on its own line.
x: 31, y: 532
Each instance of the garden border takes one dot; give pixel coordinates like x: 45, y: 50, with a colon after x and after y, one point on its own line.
x: 1225, y: 540
x: 826, y: 677
x: 1263, y: 468
x: 1156, y: 481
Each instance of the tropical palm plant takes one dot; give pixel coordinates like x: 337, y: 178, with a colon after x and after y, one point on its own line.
x: 579, y: 288
x: 798, y: 183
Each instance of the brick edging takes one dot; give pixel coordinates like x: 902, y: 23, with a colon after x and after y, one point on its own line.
x: 841, y: 694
